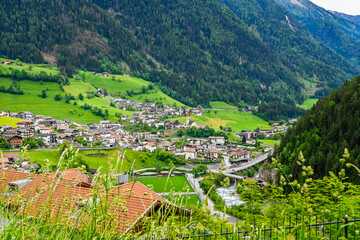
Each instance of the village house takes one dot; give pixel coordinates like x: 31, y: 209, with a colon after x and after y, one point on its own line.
x: 124, y: 118
x: 197, y: 111
x: 15, y: 141
x: 217, y: 140
x: 250, y: 141
x: 4, y: 128
x: 4, y: 113
x: 50, y: 139
x: 14, y: 115
x: 101, y: 91
x: 190, y: 153
x: 214, y: 154
x: 168, y: 146
x: 247, y: 134
x: 150, y: 146
x: 106, y: 74
x: 26, y: 116
x: 42, y: 129
x: 237, y: 157
x: 105, y: 124
x: 8, y: 63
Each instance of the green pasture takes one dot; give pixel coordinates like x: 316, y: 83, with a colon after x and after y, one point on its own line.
x: 118, y: 84
x: 166, y: 184
x: 308, y: 103
x: 133, y: 159
x: 237, y: 120
x: 269, y: 141
x: 224, y: 105
x: 10, y: 121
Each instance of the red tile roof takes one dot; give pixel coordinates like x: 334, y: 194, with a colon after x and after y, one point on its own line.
x: 11, y: 155
x: 190, y: 150
x: 73, y: 175
x: 127, y: 203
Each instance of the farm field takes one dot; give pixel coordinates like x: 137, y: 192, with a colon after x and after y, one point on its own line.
x: 269, y: 141
x: 10, y: 121
x: 166, y: 184
x: 218, y: 104
x: 121, y: 84
x: 34, y: 67
x: 139, y: 159
x: 31, y: 102
x: 237, y: 120
x: 308, y: 103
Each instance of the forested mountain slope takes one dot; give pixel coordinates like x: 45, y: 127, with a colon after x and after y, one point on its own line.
x: 352, y: 18
x: 332, y: 125
x: 277, y: 28
x: 196, y: 51
x: 337, y: 32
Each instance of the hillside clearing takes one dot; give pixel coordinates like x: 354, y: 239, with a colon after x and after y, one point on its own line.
x: 221, y: 105
x: 308, y: 103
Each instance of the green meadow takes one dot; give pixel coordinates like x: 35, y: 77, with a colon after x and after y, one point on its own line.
x: 308, y: 103
x: 31, y: 101
x: 269, y: 141
x: 118, y: 84
x: 222, y: 105
x: 105, y: 159
x: 10, y: 121
x: 166, y: 184
x: 237, y: 120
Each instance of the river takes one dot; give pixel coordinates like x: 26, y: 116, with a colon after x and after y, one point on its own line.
x: 229, y: 195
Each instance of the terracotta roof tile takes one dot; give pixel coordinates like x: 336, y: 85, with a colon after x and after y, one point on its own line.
x: 126, y: 203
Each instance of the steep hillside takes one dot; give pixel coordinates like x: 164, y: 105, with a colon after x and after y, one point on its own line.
x: 351, y: 18
x: 338, y: 33
x: 316, y: 65
x: 324, y: 132
x: 196, y: 51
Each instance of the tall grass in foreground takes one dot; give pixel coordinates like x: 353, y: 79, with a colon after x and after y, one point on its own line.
x: 95, y: 218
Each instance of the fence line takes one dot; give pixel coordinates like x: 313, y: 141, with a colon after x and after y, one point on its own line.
x: 331, y: 230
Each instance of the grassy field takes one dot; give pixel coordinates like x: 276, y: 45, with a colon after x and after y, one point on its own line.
x: 139, y: 159
x: 31, y: 101
x: 10, y: 121
x: 237, y: 120
x: 308, y: 103
x: 269, y: 141
x: 120, y: 84
x: 26, y: 67
x: 218, y: 104
x: 166, y: 184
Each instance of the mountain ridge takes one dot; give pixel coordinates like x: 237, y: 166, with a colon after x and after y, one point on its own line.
x: 337, y: 32
x: 196, y: 51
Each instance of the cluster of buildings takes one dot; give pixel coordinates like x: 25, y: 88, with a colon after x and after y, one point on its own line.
x: 151, y: 109
x: 107, y: 134
x: 217, y: 149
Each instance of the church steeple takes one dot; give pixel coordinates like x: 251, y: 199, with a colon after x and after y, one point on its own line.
x: 187, y: 118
